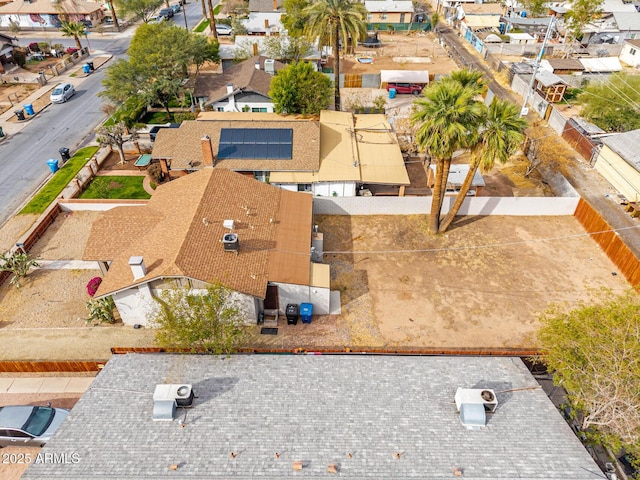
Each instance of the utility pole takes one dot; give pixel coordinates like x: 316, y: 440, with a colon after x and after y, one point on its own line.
x: 547, y: 35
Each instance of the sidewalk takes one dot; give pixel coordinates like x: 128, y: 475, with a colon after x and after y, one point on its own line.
x: 45, y: 384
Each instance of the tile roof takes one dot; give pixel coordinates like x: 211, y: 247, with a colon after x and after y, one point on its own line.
x: 23, y: 7
x: 626, y: 145
x: 183, y: 146
x: 316, y: 409
x: 179, y: 232
x: 244, y: 76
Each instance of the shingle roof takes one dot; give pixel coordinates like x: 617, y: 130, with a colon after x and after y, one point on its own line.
x: 314, y: 409
x: 546, y: 78
x: 179, y: 232
x: 565, y: 64
x: 263, y: 5
x: 182, y: 145
x: 626, y: 145
x: 48, y: 7
x: 243, y: 76
x: 634, y: 42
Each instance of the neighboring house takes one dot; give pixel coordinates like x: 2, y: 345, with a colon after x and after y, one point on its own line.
x: 359, y: 155
x: 48, y: 14
x: 265, y: 17
x: 457, y: 173
x: 315, y: 416
x: 254, y: 45
x: 324, y: 158
x: 389, y: 12
x: 549, y: 86
x: 521, y: 38
x: 476, y: 16
x: 630, y: 53
x: 618, y: 160
x: 613, y: 28
x: 6, y: 50
x: 178, y: 240
x: 242, y: 87
x: 562, y: 66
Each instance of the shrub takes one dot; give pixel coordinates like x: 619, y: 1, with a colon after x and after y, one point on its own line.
x: 19, y: 57
x: 180, y: 117
x: 71, y: 50
x: 92, y: 285
x: 155, y: 172
x: 33, y: 46
x: 101, y: 310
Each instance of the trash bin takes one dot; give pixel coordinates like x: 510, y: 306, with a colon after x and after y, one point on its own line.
x: 306, y: 310
x: 64, y: 154
x: 261, y: 318
x: 1, y: 132
x: 392, y: 93
x: 19, y: 114
x: 86, y: 68
x: 292, y: 314
x: 28, y: 108
x: 91, y: 67
x: 53, y: 164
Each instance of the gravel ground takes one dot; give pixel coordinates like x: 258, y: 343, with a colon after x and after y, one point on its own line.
x: 13, y: 229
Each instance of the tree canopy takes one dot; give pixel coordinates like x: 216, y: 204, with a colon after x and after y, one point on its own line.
x: 199, y: 321
x: 294, y: 20
x: 159, y: 59
x: 594, y: 352
x: 535, y: 8
x: 142, y: 9
x: 298, y: 88
x: 73, y: 29
x: 580, y: 14
x: 336, y: 22
x: 613, y: 105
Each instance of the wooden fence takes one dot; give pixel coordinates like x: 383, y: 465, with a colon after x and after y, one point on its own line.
x: 609, y: 241
x: 581, y: 142
x: 9, y: 366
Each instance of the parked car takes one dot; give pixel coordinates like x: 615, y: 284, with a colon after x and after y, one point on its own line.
x: 156, y: 19
x: 176, y: 8
x: 153, y: 131
x: 222, y: 29
x: 62, y: 92
x: 166, y: 13
x: 413, y: 88
x: 28, y: 425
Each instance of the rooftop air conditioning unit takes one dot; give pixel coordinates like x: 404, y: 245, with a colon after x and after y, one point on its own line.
x: 270, y: 66
x: 473, y: 405
x: 167, y: 397
x: 230, y: 242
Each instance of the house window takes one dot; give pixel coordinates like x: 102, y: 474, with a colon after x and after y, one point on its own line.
x: 383, y: 16
x: 259, y: 110
x: 219, y: 109
x: 633, y: 51
x: 369, y: 17
x: 304, y: 187
x: 261, y: 176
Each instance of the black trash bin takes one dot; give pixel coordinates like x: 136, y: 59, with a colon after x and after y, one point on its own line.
x: 90, y: 66
x: 19, y: 114
x: 261, y: 318
x: 64, y: 154
x: 292, y: 314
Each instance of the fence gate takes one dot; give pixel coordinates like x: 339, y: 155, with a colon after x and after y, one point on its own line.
x: 353, y: 80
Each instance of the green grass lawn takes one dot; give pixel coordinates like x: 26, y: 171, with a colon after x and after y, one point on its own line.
x: 202, y: 26
x: 60, y: 179
x: 116, y: 187
x: 157, y: 118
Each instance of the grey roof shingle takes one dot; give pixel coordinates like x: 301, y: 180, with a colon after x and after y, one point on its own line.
x: 315, y: 409
x: 626, y: 145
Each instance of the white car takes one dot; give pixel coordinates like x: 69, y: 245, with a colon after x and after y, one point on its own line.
x: 62, y: 93
x: 222, y: 29
x: 156, y: 19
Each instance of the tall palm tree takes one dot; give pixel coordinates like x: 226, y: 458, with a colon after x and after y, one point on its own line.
x: 447, y: 118
x: 73, y: 29
x: 212, y: 20
x: 335, y: 21
x: 499, y: 138
x: 112, y: 9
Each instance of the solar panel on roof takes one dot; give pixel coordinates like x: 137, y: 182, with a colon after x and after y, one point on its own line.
x: 256, y: 143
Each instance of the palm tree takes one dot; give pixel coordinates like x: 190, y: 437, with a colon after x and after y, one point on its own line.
x: 335, y: 21
x: 447, y: 117
x: 212, y: 20
x: 73, y: 29
x: 112, y: 9
x: 498, y: 139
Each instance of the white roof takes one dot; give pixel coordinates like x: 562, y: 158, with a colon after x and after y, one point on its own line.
x: 245, y: 43
x: 627, y: 21
x: 547, y: 78
x: 377, y: 6
x: 405, y: 76
x: 604, y: 64
x: 255, y: 22
x: 610, y: 6
x: 521, y: 36
x: 457, y: 174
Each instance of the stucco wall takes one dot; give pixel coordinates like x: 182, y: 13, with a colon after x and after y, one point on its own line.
x: 319, y: 297
x: 519, y: 206
x: 626, y: 57
x: 134, y: 305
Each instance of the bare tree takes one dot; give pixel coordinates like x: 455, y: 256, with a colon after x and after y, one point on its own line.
x: 116, y: 135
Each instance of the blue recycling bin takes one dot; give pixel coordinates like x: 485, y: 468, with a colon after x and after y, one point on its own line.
x: 306, y: 310
x: 28, y: 108
x: 86, y: 68
x: 53, y: 164
x: 392, y: 93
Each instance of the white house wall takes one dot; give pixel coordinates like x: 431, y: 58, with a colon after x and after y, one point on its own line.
x: 624, y: 178
x: 334, y: 189
x: 289, y: 293
x: 238, y: 106
x: 628, y: 58
x: 134, y: 305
